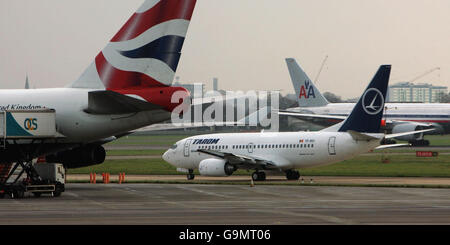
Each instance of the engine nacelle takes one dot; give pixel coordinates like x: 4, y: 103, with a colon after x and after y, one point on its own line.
x: 79, y: 157
x: 216, y: 168
x: 408, y: 127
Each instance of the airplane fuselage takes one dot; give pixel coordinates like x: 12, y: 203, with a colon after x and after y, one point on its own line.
x: 72, y: 121
x: 287, y: 150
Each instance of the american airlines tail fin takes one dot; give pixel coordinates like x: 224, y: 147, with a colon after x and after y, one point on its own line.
x: 146, y: 50
x: 307, y: 93
x: 367, y: 113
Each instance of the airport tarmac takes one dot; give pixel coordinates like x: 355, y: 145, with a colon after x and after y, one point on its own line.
x: 128, y: 204
x: 246, y: 179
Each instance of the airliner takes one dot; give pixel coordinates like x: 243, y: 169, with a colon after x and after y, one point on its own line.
x: 397, y: 117
x: 127, y: 86
x: 223, y: 154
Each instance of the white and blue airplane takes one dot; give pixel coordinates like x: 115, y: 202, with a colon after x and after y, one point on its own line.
x: 223, y: 154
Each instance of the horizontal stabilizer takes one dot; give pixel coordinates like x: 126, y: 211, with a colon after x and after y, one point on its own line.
x: 390, y: 136
x: 362, y: 136
x: 391, y: 146
x: 109, y: 102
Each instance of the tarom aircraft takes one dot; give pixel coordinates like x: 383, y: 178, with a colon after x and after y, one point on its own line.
x: 397, y: 117
x: 127, y: 86
x: 223, y: 154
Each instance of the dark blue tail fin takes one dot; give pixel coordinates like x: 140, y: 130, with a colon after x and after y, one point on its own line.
x: 367, y: 113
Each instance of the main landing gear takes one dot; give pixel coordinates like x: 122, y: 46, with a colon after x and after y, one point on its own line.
x: 419, y: 142
x: 292, y: 174
x: 191, y: 175
x: 258, y: 176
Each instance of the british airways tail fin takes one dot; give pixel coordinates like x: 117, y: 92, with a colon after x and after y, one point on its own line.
x: 146, y: 50
x: 367, y: 113
x: 307, y: 93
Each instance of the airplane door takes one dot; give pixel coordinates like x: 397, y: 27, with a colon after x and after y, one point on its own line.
x: 250, y: 147
x: 332, y: 146
x: 187, y: 145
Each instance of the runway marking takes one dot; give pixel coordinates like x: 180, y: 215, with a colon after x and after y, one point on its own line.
x: 327, y: 218
x: 193, y: 189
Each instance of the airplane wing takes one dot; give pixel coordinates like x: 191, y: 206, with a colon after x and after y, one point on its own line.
x: 188, y: 125
x: 241, y: 161
x: 325, y: 120
x: 311, y: 116
x: 362, y: 136
x: 321, y: 120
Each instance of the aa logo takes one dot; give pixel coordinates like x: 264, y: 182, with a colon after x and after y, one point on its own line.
x: 307, y: 90
x: 30, y: 124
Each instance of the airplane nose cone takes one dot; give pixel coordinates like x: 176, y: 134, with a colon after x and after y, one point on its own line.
x: 165, y: 156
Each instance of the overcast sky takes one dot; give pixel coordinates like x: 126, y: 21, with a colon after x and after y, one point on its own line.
x: 242, y: 42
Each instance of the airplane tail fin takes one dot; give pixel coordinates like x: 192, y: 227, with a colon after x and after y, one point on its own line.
x: 307, y: 93
x: 146, y: 50
x: 367, y: 113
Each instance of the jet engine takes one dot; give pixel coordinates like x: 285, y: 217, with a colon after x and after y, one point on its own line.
x: 216, y: 168
x: 79, y: 157
x: 408, y: 127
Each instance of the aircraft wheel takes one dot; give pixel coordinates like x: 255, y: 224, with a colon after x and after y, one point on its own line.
x: 259, y: 176
x: 262, y: 176
x: 292, y: 175
x: 56, y: 193
x: 255, y: 176
x: 17, y: 194
x: 190, y: 176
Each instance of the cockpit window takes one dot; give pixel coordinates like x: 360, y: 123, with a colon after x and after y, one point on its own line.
x: 173, y: 147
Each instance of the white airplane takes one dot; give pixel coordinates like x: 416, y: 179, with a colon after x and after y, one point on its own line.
x: 222, y: 154
x: 397, y: 117
x: 127, y: 86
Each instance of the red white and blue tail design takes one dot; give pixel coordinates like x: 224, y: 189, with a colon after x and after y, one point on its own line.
x: 145, y: 52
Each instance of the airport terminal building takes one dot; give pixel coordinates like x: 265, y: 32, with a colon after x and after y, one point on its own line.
x: 410, y: 92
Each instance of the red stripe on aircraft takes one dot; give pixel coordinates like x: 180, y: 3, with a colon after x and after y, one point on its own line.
x: 164, y: 11
x: 424, y: 121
